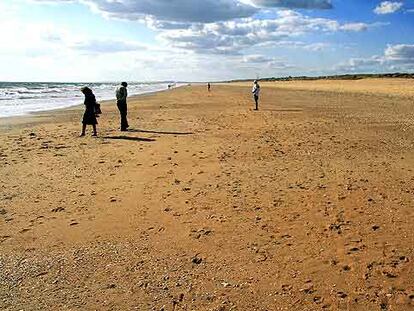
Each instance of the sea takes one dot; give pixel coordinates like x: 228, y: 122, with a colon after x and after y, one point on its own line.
x: 22, y: 98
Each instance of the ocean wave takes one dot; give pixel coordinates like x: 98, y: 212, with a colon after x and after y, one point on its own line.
x: 23, y: 98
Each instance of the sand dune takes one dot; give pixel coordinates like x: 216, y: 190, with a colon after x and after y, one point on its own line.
x: 208, y: 205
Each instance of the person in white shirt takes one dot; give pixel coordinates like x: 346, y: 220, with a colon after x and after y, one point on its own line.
x: 121, y: 102
x: 256, y: 93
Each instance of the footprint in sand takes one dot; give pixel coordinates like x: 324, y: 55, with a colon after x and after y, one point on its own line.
x: 4, y: 238
x: 58, y: 209
x: 197, y: 234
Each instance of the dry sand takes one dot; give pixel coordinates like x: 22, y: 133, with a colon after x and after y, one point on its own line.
x: 399, y: 87
x: 208, y: 205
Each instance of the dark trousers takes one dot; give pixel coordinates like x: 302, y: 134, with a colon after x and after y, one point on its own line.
x: 256, y: 99
x: 123, y: 111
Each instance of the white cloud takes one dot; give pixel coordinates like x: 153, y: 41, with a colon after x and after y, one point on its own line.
x: 388, y: 7
x: 256, y: 59
x: 233, y: 37
x: 52, y: 1
x: 189, y: 11
x: 295, y: 4
x: 357, y: 27
x: 261, y: 61
x: 365, y: 62
x: 291, y: 44
x: 395, y: 57
x: 217, y: 26
x: 317, y: 47
x: 400, y: 53
x: 29, y: 39
x: 107, y: 46
x: 201, y: 11
x: 207, y: 39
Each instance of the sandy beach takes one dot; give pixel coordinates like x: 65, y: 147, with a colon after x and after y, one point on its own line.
x: 206, y: 204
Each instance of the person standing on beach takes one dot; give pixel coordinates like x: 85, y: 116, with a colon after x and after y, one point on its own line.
x: 209, y: 86
x: 121, y: 102
x: 89, y: 117
x: 256, y: 93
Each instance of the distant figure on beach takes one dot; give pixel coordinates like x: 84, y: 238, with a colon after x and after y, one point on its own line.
x: 121, y: 102
x: 256, y: 93
x: 89, y: 117
x: 209, y: 86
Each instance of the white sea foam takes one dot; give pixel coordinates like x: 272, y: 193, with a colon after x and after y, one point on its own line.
x: 22, y: 98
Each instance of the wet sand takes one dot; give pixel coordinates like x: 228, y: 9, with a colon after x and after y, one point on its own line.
x: 206, y: 204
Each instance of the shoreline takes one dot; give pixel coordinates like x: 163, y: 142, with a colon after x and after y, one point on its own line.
x: 401, y: 87
x: 71, y: 106
x: 40, y: 116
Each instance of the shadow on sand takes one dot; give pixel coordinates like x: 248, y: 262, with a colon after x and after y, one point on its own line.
x: 284, y: 110
x: 159, y: 132
x: 129, y: 138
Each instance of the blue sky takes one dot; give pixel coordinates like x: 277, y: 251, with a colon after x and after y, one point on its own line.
x: 201, y: 40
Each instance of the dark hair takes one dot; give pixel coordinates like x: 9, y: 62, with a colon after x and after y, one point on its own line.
x: 124, y: 84
x: 86, y: 90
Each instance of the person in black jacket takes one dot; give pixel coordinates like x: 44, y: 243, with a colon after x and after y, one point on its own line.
x: 121, y: 102
x: 89, y: 117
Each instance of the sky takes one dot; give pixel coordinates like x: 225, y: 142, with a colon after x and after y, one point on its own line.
x: 202, y: 40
